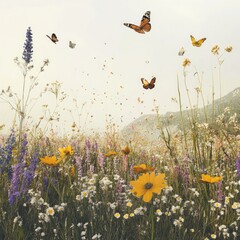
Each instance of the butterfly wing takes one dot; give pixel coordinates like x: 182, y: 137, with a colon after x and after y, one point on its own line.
x: 54, y: 38
x: 134, y: 27
x: 145, y: 22
x: 200, y: 42
x: 145, y: 83
x: 197, y: 43
x: 152, y: 83
x: 71, y: 44
x: 181, y: 52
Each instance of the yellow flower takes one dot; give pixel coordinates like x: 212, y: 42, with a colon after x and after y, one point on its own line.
x: 67, y: 151
x: 215, y: 50
x: 186, y: 62
x: 110, y: 153
x: 207, y: 178
x: 147, y: 184
x: 51, y: 161
x: 125, y: 216
x: 117, y: 215
x: 228, y: 49
x: 142, y: 168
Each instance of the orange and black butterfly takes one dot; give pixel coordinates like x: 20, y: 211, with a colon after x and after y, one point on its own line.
x: 53, y: 38
x: 126, y: 150
x: 197, y: 43
x: 145, y: 25
x: 148, y: 85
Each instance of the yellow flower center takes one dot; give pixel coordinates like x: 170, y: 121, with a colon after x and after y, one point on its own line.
x: 148, y: 185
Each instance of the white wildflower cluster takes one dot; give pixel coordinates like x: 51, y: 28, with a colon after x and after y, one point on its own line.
x: 105, y: 183
x: 17, y: 220
x: 178, y: 222
x: 84, y: 231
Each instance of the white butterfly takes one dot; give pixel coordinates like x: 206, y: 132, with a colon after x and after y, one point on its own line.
x: 71, y: 44
x: 181, y: 52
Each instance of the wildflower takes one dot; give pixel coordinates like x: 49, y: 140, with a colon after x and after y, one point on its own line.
x: 78, y: 197
x: 51, y: 161
x: 213, y: 236
x: 186, y: 62
x: 142, y: 168
x: 117, y: 215
x: 110, y: 153
x: 126, y: 216
x: 147, y: 184
x: 72, y: 170
x: 131, y: 214
x: 228, y: 49
x: 236, y: 205
x: 159, y: 212
x: 50, y: 211
x: 215, y: 50
x: 129, y: 204
x: 209, y: 179
x: 217, y: 205
x: 126, y: 150
x: 67, y: 151
x: 27, y: 52
x: 238, y: 166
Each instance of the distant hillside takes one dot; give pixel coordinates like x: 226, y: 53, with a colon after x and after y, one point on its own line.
x: 146, y: 126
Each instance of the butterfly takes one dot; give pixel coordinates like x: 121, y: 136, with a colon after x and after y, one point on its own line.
x: 181, y: 52
x: 145, y: 26
x: 147, y: 84
x: 197, y: 43
x: 53, y: 38
x: 72, y: 45
x: 126, y: 150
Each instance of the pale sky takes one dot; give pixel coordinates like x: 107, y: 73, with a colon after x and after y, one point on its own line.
x: 96, y: 26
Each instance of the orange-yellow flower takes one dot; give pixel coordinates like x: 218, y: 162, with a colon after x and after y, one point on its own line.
x: 147, y: 184
x: 207, y: 178
x: 51, y: 161
x: 110, y: 153
x: 67, y: 151
x: 126, y: 150
x: 142, y: 168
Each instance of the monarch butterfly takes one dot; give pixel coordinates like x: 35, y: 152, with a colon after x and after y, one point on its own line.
x: 197, y: 43
x: 126, y: 150
x: 53, y: 38
x: 145, y: 25
x: 181, y: 52
x: 71, y: 44
x: 147, y: 84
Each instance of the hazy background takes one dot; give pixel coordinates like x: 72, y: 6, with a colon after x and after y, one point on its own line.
x: 103, y: 72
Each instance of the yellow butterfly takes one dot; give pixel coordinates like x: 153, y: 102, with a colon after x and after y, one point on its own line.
x: 197, y: 43
x: 145, y: 25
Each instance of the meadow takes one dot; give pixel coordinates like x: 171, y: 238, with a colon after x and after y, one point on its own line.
x: 185, y: 186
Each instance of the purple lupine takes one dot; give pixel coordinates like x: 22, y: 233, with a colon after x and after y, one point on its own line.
x: 78, y: 161
x: 28, y: 48
x: 14, y: 190
x: 119, y: 190
x: 28, y: 175
x: 219, y: 192
x: 100, y: 160
x: 6, y: 155
x: 238, y: 166
x: 131, y: 171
